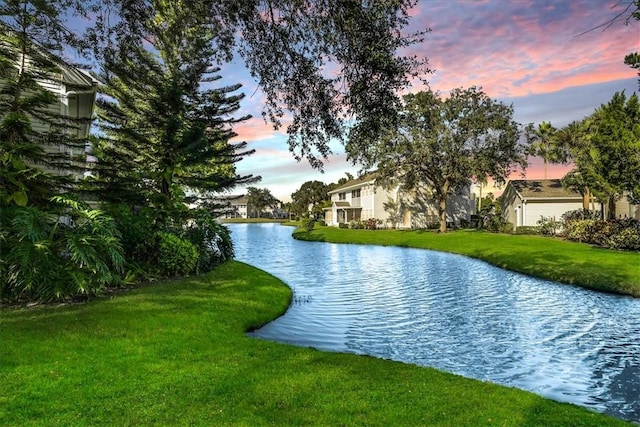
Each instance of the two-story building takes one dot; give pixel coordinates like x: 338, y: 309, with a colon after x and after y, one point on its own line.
x: 361, y: 199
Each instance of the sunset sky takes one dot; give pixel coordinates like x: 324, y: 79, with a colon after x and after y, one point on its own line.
x: 528, y: 53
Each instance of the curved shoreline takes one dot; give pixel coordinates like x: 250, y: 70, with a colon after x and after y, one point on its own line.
x: 176, y: 353
x: 557, y: 260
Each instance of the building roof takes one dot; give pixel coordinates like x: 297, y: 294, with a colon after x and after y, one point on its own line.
x: 542, y: 189
x: 77, y: 78
x: 355, y: 182
x: 342, y: 204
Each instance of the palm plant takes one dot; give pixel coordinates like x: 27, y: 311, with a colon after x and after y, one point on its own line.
x: 54, y: 255
x: 543, y: 143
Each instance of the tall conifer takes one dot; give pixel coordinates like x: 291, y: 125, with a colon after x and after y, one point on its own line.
x: 165, y: 127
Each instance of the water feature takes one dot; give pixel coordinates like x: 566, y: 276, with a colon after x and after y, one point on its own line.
x: 453, y: 313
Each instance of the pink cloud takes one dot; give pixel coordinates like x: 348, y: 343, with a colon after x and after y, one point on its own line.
x: 519, y: 48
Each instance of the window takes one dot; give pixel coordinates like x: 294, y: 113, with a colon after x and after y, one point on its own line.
x: 342, y: 196
x: 355, y: 193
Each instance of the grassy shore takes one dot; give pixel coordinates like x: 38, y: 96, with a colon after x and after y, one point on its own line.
x: 176, y: 353
x: 548, y: 258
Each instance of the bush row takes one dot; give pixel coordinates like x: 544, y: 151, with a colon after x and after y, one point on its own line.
x: 615, y: 234
x: 72, y: 249
x: 584, y: 226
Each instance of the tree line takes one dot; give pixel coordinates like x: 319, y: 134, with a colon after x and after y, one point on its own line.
x: 164, y: 141
x: 163, y: 145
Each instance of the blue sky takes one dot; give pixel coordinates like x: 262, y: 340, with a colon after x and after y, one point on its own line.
x: 528, y: 53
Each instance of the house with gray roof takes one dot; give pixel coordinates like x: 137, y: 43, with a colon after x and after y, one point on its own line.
x: 524, y: 202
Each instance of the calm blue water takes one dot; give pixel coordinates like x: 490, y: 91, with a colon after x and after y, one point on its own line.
x: 453, y: 313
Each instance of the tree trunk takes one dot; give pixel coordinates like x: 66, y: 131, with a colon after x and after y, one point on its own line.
x: 611, y: 214
x: 585, y: 199
x: 442, y: 213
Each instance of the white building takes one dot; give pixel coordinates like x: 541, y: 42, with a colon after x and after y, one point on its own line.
x: 361, y: 199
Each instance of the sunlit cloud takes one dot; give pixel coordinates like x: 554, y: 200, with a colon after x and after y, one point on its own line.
x: 535, y: 54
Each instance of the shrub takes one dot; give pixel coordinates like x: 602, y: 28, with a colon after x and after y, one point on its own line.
x: 371, y: 224
x: 343, y: 225
x: 615, y: 234
x: 59, y: 253
x: 212, y: 239
x: 308, y: 223
x: 176, y: 256
x: 135, y: 226
x: 549, y: 226
x: 505, y: 227
x: 578, y: 215
x: 356, y: 225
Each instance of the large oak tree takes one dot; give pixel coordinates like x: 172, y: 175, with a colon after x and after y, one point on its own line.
x: 446, y: 143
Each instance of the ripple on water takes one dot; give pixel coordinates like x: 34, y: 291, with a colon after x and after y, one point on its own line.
x: 455, y: 314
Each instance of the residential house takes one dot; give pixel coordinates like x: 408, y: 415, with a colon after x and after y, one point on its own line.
x: 77, y: 94
x: 236, y: 206
x: 239, y: 207
x: 524, y: 202
x: 361, y: 199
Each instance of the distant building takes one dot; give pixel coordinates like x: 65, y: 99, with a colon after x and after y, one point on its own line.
x: 235, y: 206
x: 361, y: 199
x: 524, y: 202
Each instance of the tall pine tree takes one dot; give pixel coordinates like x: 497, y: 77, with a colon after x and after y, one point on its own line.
x: 165, y: 127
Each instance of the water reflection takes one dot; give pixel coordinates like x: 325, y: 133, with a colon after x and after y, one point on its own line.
x: 456, y: 314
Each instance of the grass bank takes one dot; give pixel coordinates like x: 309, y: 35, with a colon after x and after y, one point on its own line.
x: 176, y: 354
x: 554, y: 259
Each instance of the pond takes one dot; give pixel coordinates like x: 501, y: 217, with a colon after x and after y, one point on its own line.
x: 453, y: 313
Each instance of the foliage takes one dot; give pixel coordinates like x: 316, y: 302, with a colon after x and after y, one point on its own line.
x: 549, y: 226
x: 343, y: 225
x: 312, y: 193
x: 528, y: 230
x: 603, y: 148
x: 212, y: 240
x: 308, y: 223
x: 356, y: 224
x: 291, y: 49
x: 165, y: 128
x: 615, y: 234
x: 55, y: 255
x: 176, y: 256
x: 39, y: 147
x: 136, y: 228
x: 259, y: 199
x: 446, y: 143
x: 543, y: 144
x: 371, y: 224
x: 578, y: 215
x: 614, y: 143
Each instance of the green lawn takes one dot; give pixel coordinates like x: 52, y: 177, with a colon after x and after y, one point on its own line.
x: 549, y: 258
x: 175, y: 353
